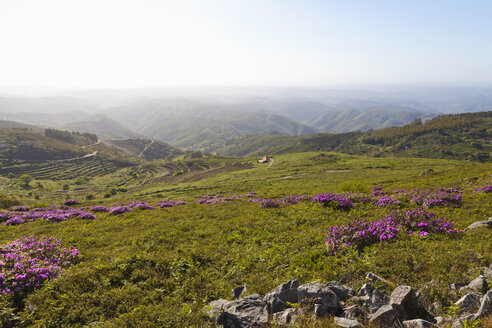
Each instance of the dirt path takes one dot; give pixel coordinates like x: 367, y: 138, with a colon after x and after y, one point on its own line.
x: 271, y: 162
x: 146, y: 147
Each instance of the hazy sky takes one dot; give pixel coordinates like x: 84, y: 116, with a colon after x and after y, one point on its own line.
x: 140, y: 43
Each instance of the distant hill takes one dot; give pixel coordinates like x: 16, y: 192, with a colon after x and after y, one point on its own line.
x: 104, y: 127
x: 4, y: 124
x: 149, y: 149
x: 457, y: 136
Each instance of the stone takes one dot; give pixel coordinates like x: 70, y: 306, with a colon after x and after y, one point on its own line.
x: 458, y: 323
x: 406, y: 303
x: 325, y: 300
x: 371, y: 298
x: 418, y: 323
x: 277, y: 299
x: 458, y: 285
x: 238, y: 291
x: 487, y: 272
x: 427, y: 172
x: 480, y: 224
x: 485, y: 306
x: 250, y: 311
x: 385, y: 317
x: 343, y: 292
x: 479, y: 285
x: 286, y: 317
x: 347, y: 323
x: 468, y: 302
x: 354, y: 312
x: 374, y: 277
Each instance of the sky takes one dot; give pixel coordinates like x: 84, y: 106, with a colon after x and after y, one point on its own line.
x: 306, y: 43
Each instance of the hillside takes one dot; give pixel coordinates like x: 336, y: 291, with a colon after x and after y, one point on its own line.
x: 458, y: 136
x: 148, y: 148
x: 103, y: 126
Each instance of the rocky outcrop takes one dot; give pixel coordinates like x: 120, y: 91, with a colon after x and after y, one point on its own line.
x: 277, y: 299
x: 385, y: 317
x: 324, y: 299
x: 480, y: 224
x: 406, y: 303
x: 371, y: 299
x: 250, y: 311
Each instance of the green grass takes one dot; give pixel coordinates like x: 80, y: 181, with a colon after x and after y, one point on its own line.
x: 160, y: 268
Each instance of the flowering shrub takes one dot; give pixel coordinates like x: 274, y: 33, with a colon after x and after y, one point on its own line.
x: 377, y: 191
x: 484, y: 189
x: 27, y: 262
x: 20, y: 208
x: 269, y: 203
x: 120, y: 210
x: 436, y: 198
x: 385, y: 201
x: 360, y: 233
x: 51, y: 215
x: 171, y: 203
x: 70, y: 202
x: 98, y: 209
x: 333, y: 200
x: 141, y: 205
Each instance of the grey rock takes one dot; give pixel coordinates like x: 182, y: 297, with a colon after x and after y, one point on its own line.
x: 347, y: 323
x: 440, y: 321
x: 479, y: 285
x: 385, y: 317
x: 485, y: 306
x: 487, y: 272
x: 324, y: 299
x: 418, y: 323
x: 371, y: 298
x: 238, y: 291
x: 480, y: 224
x: 277, y: 299
x: 407, y: 305
x: 427, y: 172
x: 468, y: 302
x: 343, y: 292
x: 458, y: 285
x: 250, y: 311
x: 374, y: 277
x: 458, y: 323
x: 286, y: 317
x: 354, y: 312
x: 215, y: 307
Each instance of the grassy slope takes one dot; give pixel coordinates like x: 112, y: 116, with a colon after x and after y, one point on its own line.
x: 159, y: 268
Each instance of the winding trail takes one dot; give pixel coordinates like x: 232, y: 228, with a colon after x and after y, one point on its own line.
x: 271, y: 162
x: 146, y: 147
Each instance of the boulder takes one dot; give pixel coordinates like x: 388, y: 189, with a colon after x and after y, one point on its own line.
x: 286, y: 317
x: 459, y: 323
x: 343, y: 292
x: 238, y: 291
x: 418, y: 323
x: 325, y: 300
x: 354, y: 312
x: 277, y: 299
x: 487, y: 273
x: 458, y: 285
x: 406, y: 303
x: 385, y: 317
x: 468, y: 302
x: 478, y: 285
x: 371, y: 298
x: 480, y: 224
x: 250, y: 311
x: 374, y: 277
x: 347, y: 323
x: 428, y: 171
x: 485, y: 306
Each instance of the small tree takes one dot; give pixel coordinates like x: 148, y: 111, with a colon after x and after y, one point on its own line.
x: 24, y: 180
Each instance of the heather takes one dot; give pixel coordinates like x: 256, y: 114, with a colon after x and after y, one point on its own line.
x: 207, y: 235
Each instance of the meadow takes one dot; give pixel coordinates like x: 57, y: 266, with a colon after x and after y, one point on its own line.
x: 161, y: 267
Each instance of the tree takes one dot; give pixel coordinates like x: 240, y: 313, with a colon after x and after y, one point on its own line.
x: 25, y: 179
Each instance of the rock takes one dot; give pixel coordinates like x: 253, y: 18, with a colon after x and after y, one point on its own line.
x: 215, y: 307
x: 347, y: 323
x: 458, y: 323
x: 468, y: 302
x: 407, y: 305
x: 371, y: 298
x: 325, y: 301
x: 418, y: 323
x: 374, y: 277
x: 480, y: 224
x: 479, y: 285
x: 286, y: 317
x: 343, y: 292
x: 277, y: 299
x: 458, y: 285
x: 487, y: 272
x: 440, y: 321
x: 250, y: 311
x: 385, y: 317
x: 485, y: 306
x: 354, y: 312
x: 238, y: 291
x: 427, y: 172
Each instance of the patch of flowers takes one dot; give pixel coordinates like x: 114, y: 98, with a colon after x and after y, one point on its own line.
x: 171, y: 203
x: 20, y: 208
x: 50, y: 215
x: 377, y: 191
x: 385, y: 201
x: 334, y: 201
x: 440, y: 197
x: 141, y: 206
x: 120, y: 210
x: 27, y: 262
x: 361, y: 233
x: 484, y: 189
x: 71, y: 202
x: 99, y: 209
x: 269, y: 203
